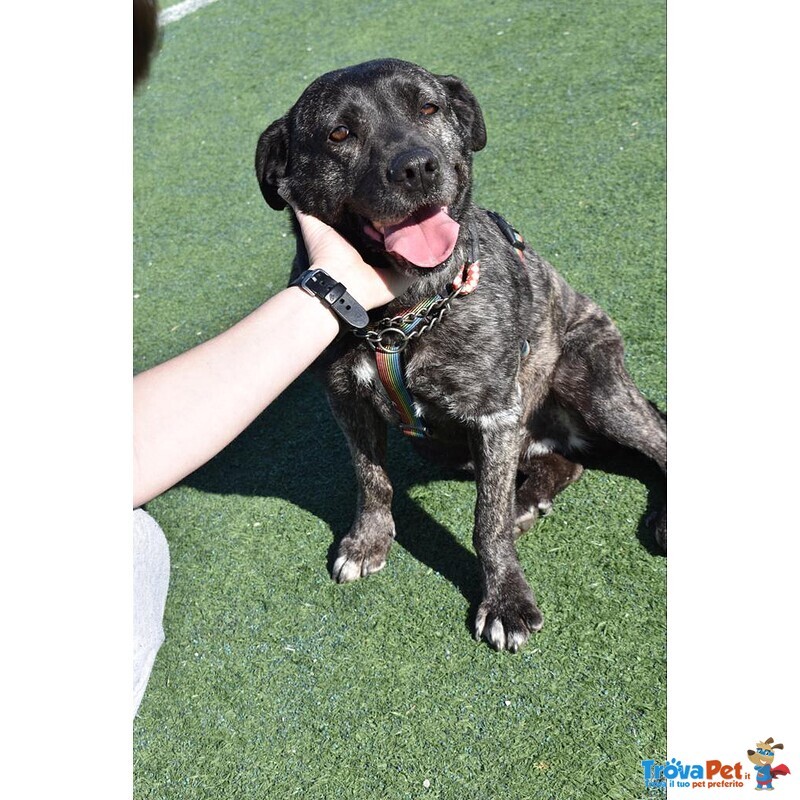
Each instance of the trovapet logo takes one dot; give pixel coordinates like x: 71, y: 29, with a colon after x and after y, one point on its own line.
x: 716, y: 774
x: 711, y: 773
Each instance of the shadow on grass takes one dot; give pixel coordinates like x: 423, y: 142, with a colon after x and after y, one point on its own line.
x: 296, y: 452
x: 630, y: 464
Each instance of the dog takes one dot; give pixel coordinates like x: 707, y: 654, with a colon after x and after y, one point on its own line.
x: 763, y: 759
x: 511, y: 380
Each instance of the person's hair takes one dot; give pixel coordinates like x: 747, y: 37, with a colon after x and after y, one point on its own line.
x: 145, y: 36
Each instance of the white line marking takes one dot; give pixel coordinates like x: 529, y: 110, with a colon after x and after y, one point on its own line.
x: 180, y: 10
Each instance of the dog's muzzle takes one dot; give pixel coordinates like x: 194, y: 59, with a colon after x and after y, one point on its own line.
x: 415, y: 170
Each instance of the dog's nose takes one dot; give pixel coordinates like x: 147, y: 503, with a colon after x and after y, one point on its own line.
x: 414, y: 169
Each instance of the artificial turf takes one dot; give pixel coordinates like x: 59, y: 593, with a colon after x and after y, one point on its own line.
x: 273, y: 681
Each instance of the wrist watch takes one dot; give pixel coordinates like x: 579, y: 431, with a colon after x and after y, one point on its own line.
x: 318, y: 283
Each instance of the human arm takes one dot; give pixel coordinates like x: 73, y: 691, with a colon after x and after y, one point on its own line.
x: 190, y: 407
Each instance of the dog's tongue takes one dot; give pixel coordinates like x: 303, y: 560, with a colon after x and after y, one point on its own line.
x: 426, y: 238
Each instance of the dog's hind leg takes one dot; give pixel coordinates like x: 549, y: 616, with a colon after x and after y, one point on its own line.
x: 591, y: 378
x: 507, y: 614
x: 545, y: 476
x: 363, y: 551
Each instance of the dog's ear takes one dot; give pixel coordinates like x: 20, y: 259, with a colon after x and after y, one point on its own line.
x: 272, y: 158
x: 467, y: 110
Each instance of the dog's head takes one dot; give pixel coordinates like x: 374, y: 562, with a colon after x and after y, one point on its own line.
x: 381, y: 151
x: 765, y: 752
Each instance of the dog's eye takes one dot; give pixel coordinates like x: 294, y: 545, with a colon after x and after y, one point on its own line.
x: 428, y: 109
x: 339, y: 134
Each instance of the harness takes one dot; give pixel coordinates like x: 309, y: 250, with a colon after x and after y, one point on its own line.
x: 390, y: 336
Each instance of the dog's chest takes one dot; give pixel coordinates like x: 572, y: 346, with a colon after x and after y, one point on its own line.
x: 442, y: 380
x: 460, y: 369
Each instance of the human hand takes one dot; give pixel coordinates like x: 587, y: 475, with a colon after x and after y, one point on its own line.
x: 329, y: 251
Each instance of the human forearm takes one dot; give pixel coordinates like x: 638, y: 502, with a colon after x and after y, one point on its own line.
x: 215, y: 390
x: 187, y: 409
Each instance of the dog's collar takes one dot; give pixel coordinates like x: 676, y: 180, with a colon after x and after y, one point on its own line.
x: 390, y: 336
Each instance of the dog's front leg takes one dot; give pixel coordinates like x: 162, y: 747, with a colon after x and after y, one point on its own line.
x: 363, y: 551
x: 508, y: 613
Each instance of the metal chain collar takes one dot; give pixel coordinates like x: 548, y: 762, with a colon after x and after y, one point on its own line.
x: 388, y: 336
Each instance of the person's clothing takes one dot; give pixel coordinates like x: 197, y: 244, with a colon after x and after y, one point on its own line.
x: 764, y: 779
x: 150, y: 584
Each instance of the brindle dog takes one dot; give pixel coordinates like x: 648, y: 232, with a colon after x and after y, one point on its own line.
x: 512, y: 381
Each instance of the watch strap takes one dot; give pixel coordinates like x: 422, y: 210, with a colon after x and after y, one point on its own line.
x: 318, y: 283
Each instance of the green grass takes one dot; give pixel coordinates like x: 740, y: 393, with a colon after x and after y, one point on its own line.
x: 275, y: 682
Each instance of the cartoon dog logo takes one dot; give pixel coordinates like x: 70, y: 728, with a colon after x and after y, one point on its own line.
x: 762, y: 757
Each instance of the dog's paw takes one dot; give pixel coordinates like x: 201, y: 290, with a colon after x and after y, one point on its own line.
x: 660, y: 529
x: 547, y: 476
x: 525, y: 519
x: 508, y: 618
x: 358, y: 558
x: 347, y: 569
